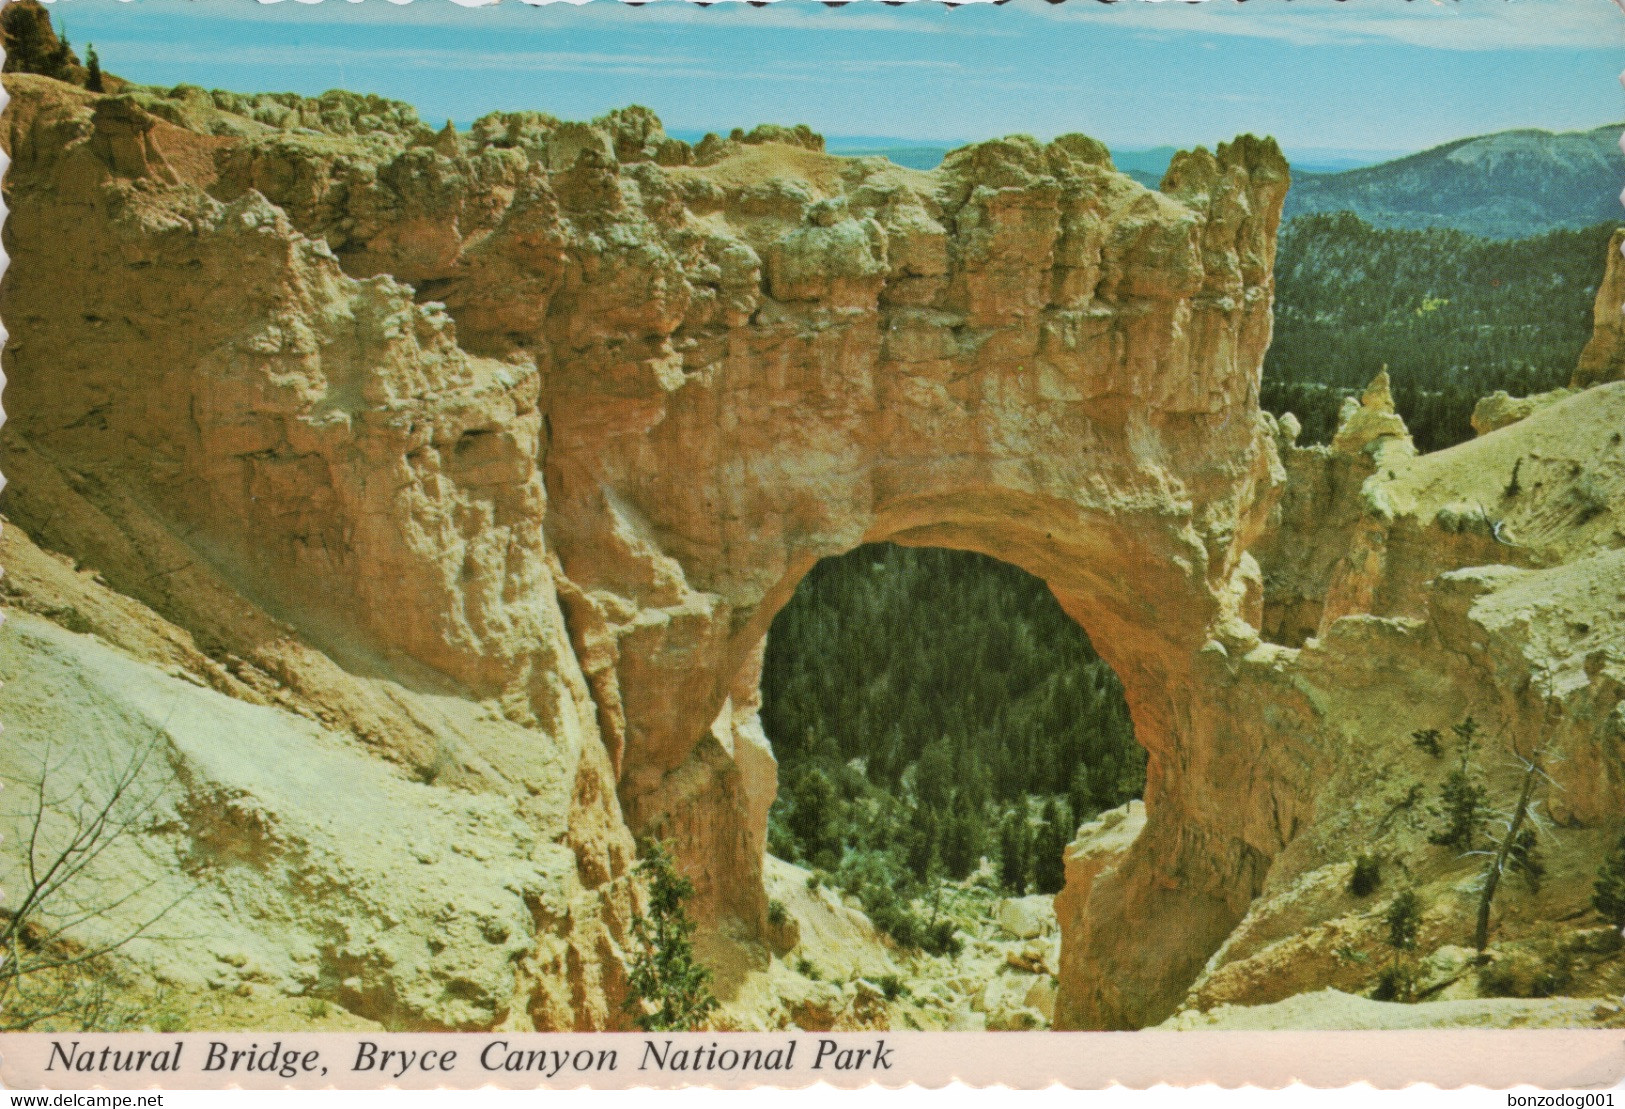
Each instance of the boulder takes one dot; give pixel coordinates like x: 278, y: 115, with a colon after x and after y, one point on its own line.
x: 1027, y: 917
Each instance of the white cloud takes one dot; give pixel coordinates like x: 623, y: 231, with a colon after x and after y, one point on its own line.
x: 931, y: 17
x: 674, y: 65
x: 1436, y: 24
x: 803, y: 15
x: 782, y: 15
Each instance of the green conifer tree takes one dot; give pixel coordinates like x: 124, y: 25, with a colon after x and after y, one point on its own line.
x: 669, y: 989
x: 1461, y: 799
x: 1404, y: 918
x: 1015, y: 852
x: 1398, y: 980
x: 1049, y: 849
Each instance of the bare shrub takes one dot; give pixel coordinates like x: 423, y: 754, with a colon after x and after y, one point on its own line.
x: 75, y: 809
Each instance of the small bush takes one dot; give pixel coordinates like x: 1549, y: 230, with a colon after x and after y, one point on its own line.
x: 1590, y: 498
x: 890, y: 905
x: 941, y: 939
x: 1544, y: 972
x: 892, y: 986
x: 71, y: 619
x: 1396, y: 982
x: 1552, y: 981
x: 1596, y: 941
x: 316, y: 1009
x: 805, y: 968
x: 895, y: 919
x: 1428, y: 740
x: 1366, y: 877
x: 776, y: 912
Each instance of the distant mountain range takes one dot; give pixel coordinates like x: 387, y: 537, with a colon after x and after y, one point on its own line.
x: 1508, y: 185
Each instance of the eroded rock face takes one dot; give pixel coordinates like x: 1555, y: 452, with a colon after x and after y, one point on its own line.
x: 304, y: 472
x: 417, y: 394
x: 1603, y: 359
x: 1478, y: 583
x: 520, y: 437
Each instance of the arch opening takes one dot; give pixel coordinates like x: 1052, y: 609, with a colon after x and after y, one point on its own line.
x: 942, y: 729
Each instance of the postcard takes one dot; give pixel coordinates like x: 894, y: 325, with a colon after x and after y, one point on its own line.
x: 754, y: 544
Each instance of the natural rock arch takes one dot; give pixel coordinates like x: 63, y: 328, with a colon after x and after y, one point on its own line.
x: 1136, y: 579
x: 658, y: 383
x: 1100, y: 434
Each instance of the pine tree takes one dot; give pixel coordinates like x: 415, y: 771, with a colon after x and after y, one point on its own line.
x: 1049, y: 851
x: 1015, y: 852
x: 1403, y: 918
x: 1079, y: 792
x: 1517, y: 850
x: 812, y: 818
x: 93, y: 71
x: 669, y: 989
x: 32, y: 45
x: 959, y: 840
x: 1397, y: 981
x: 1462, y: 797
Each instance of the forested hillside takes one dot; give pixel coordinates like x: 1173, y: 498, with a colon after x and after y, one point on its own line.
x: 1453, y: 317
x: 1503, y: 186
x: 929, y: 708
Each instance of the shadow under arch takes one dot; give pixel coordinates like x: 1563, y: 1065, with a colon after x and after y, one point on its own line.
x: 937, y: 717
x: 1144, y: 594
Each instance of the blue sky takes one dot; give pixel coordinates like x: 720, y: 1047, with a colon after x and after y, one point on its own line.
x: 1375, y: 76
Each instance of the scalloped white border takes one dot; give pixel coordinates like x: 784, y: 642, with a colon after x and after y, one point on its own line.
x: 1210, y: 1067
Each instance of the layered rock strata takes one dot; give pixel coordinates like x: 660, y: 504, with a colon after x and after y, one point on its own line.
x: 555, y: 415
x: 496, y: 452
